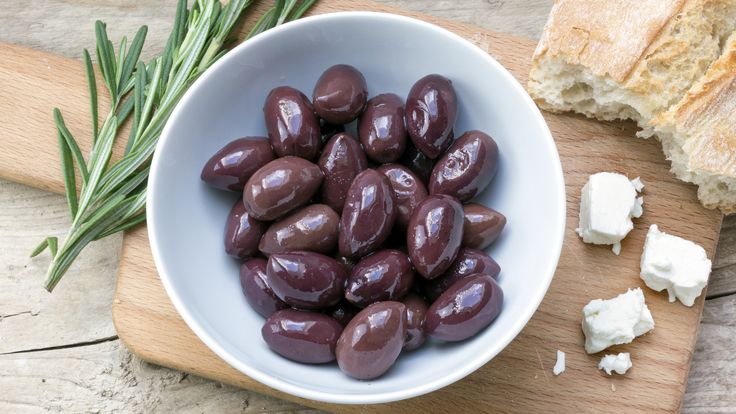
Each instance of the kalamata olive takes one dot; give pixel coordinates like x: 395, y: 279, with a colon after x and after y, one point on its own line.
x: 242, y: 232
x: 434, y: 235
x: 254, y: 282
x: 306, y: 279
x: 312, y: 228
x: 233, y: 164
x: 465, y: 308
x: 381, y: 128
x: 281, y: 186
x: 368, y: 215
x: 328, y: 131
x: 340, y: 94
x: 419, y: 163
x: 416, y: 312
x: 346, y: 262
x: 293, y: 127
x: 341, y: 161
x: 468, y: 262
x: 384, y: 275
x: 372, y: 341
x: 343, y: 312
x: 482, y: 226
x: 467, y: 168
x: 409, y: 191
x: 301, y: 336
x: 431, y: 110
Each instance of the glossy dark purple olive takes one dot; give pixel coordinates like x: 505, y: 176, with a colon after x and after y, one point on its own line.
x: 384, y: 275
x: 341, y: 161
x: 293, y: 128
x: 416, y: 312
x: 340, y: 94
x: 312, y: 228
x: 434, y: 235
x: 301, y: 336
x: 431, y: 111
x: 419, y: 163
x: 381, y: 128
x: 482, y: 226
x: 343, y: 312
x: 465, y: 308
x: 368, y: 215
x: 372, y: 341
x: 231, y: 166
x: 467, y: 168
x: 254, y: 282
x: 409, y: 191
x: 468, y: 262
x: 306, y: 280
x: 281, y: 186
x: 242, y: 232
x: 328, y: 131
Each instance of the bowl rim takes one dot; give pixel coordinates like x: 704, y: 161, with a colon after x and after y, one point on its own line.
x: 472, y: 364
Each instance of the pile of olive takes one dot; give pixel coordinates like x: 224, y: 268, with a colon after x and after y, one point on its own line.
x: 346, y: 223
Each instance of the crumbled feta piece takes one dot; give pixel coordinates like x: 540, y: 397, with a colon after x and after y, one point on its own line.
x: 615, y: 321
x: 616, y: 248
x: 673, y: 263
x: 559, y: 364
x: 636, y: 182
x: 607, y: 204
x: 616, y: 363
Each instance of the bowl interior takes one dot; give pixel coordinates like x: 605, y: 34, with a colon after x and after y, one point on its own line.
x: 186, y: 218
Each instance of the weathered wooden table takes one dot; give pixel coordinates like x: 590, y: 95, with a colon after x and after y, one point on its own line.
x: 60, y: 353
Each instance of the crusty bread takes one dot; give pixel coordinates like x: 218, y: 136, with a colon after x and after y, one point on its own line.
x: 698, y: 134
x: 626, y: 59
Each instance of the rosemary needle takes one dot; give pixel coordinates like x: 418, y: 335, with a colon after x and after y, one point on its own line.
x: 112, y: 194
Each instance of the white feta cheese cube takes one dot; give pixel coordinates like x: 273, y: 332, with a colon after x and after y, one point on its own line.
x: 559, y: 367
x: 615, y: 321
x: 675, y: 264
x: 616, y: 363
x: 607, y: 205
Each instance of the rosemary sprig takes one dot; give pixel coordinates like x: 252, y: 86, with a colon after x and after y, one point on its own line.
x: 112, y: 195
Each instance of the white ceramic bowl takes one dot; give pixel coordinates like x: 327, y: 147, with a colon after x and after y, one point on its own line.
x: 186, y: 218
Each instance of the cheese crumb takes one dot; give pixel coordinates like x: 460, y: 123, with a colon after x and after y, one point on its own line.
x: 559, y: 367
x: 615, y: 321
x: 675, y: 264
x: 616, y: 363
x: 608, y: 203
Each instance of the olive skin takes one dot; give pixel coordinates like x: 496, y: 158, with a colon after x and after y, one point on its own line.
x: 416, y: 161
x: 384, y: 275
x: 307, y: 337
x: 371, y: 342
x: 281, y: 186
x: 482, y: 226
x: 254, y: 282
x: 416, y: 312
x: 340, y: 94
x: 343, y: 312
x: 431, y: 111
x: 464, y: 309
x: 467, y: 167
x: 341, y: 161
x: 468, y: 262
x: 306, y: 280
x: 381, y: 128
x: 231, y: 166
x: 368, y: 215
x: 313, y: 228
x: 435, y: 234
x: 293, y: 128
x: 408, y: 189
x: 242, y: 232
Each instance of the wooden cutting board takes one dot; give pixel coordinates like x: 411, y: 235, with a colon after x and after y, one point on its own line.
x: 520, y: 379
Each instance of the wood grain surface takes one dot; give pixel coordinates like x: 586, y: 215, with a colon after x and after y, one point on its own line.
x: 109, y: 388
